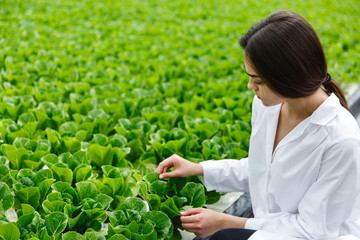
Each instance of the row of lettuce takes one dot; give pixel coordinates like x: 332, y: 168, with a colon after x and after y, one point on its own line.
x: 74, y: 176
x: 49, y: 208
x: 77, y: 159
x: 82, y: 171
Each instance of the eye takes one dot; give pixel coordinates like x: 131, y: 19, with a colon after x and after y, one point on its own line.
x: 258, y: 82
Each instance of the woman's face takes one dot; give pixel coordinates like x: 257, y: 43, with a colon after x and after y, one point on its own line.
x: 261, y: 90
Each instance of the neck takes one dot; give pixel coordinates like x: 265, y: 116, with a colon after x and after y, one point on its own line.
x: 301, y: 108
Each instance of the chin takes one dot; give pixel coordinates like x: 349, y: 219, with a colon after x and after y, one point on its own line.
x: 268, y: 104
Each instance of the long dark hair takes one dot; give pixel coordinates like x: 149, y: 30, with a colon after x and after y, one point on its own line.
x: 288, y: 56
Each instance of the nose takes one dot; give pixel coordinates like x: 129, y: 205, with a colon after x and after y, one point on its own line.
x: 251, y: 84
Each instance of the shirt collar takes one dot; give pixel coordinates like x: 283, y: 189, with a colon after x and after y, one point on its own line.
x: 326, y: 111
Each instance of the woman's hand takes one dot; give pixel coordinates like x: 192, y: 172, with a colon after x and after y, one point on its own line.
x: 204, y: 222
x: 201, y: 221
x: 182, y: 167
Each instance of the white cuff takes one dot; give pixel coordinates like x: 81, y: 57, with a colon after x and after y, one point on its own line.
x: 254, y: 224
x: 210, y: 174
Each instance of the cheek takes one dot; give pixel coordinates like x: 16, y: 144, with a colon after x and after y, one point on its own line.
x: 276, y: 99
x: 270, y: 98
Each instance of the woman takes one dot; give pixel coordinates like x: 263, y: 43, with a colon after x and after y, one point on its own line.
x: 303, y: 168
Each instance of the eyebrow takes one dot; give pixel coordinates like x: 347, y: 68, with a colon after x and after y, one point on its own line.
x: 252, y: 75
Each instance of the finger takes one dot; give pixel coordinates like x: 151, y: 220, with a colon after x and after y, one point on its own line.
x: 168, y: 175
x: 164, y: 164
x: 159, y: 169
x: 192, y: 211
x: 189, y: 219
x: 189, y: 227
x: 164, y: 170
x: 196, y: 231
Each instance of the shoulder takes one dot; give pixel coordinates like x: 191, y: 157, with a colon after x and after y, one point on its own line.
x: 343, y: 126
x: 343, y: 145
x: 342, y: 154
x: 344, y: 135
x: 339, y: 131
x: 336, y: 120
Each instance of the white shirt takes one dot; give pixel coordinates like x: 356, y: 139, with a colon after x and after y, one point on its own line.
x: 309, y: 188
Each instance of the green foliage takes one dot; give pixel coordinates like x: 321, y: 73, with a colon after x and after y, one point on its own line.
x: 73, y: 236
x: 9, y: 231
x: 6, y: 198
x: 99, y: 155
x: 55, y: 223
x: 133, y: 220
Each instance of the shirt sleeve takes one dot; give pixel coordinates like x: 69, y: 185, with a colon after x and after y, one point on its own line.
x: 328, y: 202
x: 226, y: 175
